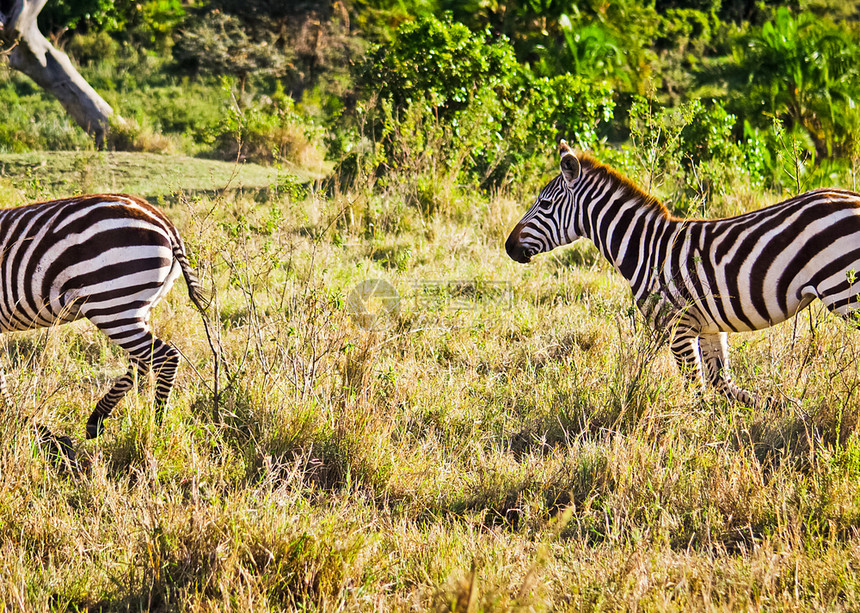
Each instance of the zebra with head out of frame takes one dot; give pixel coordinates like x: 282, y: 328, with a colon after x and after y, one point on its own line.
x: 703, y: 278
x: 107, y: 257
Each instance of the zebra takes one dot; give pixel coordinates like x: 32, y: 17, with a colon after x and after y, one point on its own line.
x: 700, y: 278
x: 106, y: 257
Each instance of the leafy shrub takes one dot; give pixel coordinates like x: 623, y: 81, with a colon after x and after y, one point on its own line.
x: 193, y: 110
x: 129, y: 135
x: 799, y: 69
x: 218, y: 44
x: 93, y: 47
x: 565, y: 105
x: 592, y: 51
x: 781, y: 158
x: 439, y: 83
x: 186, y: 108
x: 441, y: 61
x: 33, y: 121
x: 99, y: 15
x: 690, y: 150
x: 270, y: 129
x: 155, y: 21
x: 707, y: 135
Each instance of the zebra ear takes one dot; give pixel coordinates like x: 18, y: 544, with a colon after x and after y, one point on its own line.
x: 570, y: 167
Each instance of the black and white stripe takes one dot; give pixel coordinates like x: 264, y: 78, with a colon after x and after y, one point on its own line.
x: 703, y: 278
x: 107, y: 257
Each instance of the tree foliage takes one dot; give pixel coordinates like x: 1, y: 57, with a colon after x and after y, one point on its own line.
x: 444, y: 62
x: 498, y: 113
x: 60, y: 15
x: 494, y: 81
x: 801, y: 69
x: 218, y: 43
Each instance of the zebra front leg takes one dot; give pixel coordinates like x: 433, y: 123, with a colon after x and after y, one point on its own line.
x: 685, y: 350
x: 715, y: 357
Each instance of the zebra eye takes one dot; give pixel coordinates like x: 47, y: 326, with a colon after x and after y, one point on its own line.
x: 545, y: 205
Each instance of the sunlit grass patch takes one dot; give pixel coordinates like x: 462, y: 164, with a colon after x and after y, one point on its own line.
x: 507, y: 436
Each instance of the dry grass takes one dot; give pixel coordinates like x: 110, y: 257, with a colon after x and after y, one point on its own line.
x: 532, y: 454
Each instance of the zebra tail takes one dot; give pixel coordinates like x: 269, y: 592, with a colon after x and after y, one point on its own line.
x: 195, y: 290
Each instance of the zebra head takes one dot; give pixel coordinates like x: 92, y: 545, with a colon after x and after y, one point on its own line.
x: 549, y: 222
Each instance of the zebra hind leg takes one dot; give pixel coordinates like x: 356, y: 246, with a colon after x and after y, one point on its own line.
x: 715, y: 357
x: 146, y: 351
x: 165, y: 362
x: 105, y: 405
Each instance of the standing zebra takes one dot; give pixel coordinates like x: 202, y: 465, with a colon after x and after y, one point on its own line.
x: 703, y: 278
x: 107, y: 257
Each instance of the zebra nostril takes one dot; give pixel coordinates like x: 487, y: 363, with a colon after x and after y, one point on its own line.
x: 520, y: 255
x: 514, y: 248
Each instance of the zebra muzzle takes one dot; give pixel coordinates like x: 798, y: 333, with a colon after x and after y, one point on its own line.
x: 514, y: 247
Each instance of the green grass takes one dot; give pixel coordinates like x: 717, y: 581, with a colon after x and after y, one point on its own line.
x: 466, y: 453
x: 147, y: 174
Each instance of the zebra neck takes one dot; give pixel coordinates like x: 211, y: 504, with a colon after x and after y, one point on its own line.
x: 625, y: 225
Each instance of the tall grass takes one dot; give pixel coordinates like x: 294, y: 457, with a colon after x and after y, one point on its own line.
x: 466, y: 452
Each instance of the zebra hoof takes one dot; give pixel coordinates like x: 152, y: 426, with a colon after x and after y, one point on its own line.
x: 65, y: 445
x: 61, y: 452
x: 95, y: 426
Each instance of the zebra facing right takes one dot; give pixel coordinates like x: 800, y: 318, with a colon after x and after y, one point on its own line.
x: 703, y: 278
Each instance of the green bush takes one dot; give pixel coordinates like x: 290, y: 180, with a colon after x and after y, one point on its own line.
x: 193, y: 110
x: 93, y: 47
x: 803, y: 70
x: 441, y: 61
x: 486, y: 115
x: 267, y: 130
x: 690, y: 151
x: 591, y: 51
x: 34, y: 121
x: 216, y: 43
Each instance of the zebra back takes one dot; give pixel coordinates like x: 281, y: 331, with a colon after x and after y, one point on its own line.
x: 60, y: 254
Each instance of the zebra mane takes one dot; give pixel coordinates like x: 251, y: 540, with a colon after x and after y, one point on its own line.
x: 628, y: 186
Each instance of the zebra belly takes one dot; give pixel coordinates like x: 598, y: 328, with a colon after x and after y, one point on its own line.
x: 773, y: 304
x: 19, y: 321
x: 759, y: 323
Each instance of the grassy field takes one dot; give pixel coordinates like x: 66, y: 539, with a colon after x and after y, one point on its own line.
x: 152, y: 175
x: 506, y: 438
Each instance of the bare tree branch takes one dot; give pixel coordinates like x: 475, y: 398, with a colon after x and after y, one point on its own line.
x: 32, y: 54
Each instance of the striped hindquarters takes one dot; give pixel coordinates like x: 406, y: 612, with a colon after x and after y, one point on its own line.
x: 108, y: 257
